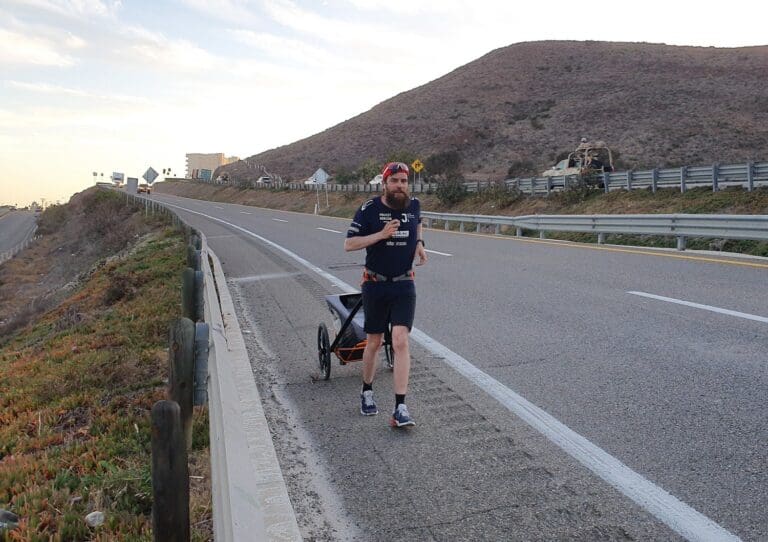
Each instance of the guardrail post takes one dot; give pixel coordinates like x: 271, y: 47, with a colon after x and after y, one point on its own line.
x: 498, y: 229
x: 518, y: 232
x: 191, y: 294
x: 601, y: 238
x: 202, y: 345
x: 542, y: 234
x: 193, y: 257
x: 606, y: 181
x: 750, y: 176
x: 683, y: 173
x: 446, y: 225
x: 170, y: 475
x: 533, y: 186
x: 654, y: 179
x: 461, y: 226
x: 182, y: 372
x: 629, y: 180
x: 477, y: 228
x: 681, y: 242
x: 715, y: 173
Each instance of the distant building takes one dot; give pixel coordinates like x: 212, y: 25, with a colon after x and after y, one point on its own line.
x: 200, y: 166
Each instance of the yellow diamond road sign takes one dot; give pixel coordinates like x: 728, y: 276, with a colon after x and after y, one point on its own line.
x: 417, y: 165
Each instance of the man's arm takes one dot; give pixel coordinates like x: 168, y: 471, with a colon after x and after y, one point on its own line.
x: 358, y: 242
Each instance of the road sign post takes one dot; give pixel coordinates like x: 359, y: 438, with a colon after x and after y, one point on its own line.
x: 150, y: 175
x: 417, y: 167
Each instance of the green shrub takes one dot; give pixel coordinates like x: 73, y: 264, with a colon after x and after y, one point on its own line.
x: 443, y: 163
x: 499, y: 194
x: 451, y: 191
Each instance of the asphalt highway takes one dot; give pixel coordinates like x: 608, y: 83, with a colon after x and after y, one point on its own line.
x: 15, y: 227
x: 561, y: 391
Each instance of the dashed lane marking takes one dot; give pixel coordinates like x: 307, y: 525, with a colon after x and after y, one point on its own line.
x: 729, y: 312
x: 265, y: 276
x: 439, y: 253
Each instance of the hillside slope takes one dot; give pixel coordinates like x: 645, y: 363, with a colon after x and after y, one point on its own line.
x: 656, y: 105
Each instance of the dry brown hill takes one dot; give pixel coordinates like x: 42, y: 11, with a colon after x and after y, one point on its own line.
x: 523, y: 105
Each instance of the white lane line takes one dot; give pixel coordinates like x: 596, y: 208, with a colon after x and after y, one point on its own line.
x: 677, y: 515
x: 245, y: 213
x: 266, y: 276
x: 279, y: 220
x: 729, y: 312
x: 326, y: 229
x: 440, y: 253
x: 217, y: 207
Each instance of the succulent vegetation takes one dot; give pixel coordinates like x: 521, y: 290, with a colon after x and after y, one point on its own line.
x: 78, y: 384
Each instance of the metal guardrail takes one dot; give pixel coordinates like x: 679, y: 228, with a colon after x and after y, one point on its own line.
x: 681, y: 226
x: 250, y: 498
x: 749, y: 176
x: 10, y: 253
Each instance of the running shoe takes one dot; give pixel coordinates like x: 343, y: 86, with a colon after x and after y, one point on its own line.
x: 367, y: 404
x: 401, y: 417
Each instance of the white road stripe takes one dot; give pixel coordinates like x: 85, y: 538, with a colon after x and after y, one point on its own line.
x: 217, y: 207
x: 440, y: 253
x: 677, y: 515
x: 245, y: 213
x: 326, y: 229
x: 279, y: 220
x: 266, y: 276
x: 738, y: 314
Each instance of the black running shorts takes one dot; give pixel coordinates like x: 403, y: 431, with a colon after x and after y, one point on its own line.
x: 388, y: 302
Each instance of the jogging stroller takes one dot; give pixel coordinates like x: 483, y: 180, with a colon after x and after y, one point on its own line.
x: 350, y: 341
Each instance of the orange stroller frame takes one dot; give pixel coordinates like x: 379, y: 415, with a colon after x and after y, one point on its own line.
x: 350, y: 340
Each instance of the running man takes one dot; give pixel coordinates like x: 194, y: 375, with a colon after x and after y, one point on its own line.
x: 389, y: 228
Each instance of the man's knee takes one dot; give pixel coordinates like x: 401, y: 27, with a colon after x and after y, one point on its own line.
x: 374, y: 340
x: 399, y: 338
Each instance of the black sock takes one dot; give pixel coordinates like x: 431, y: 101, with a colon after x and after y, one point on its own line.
x: 399, y: 399
x: 367, y: 387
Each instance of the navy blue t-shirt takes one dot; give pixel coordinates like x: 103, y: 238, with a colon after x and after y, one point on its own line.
x: 394, y: 256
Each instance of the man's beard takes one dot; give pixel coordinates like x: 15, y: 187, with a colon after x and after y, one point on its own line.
x: 399, y: 201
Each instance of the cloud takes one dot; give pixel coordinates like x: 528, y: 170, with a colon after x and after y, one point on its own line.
x: 46, y: 88
x: 226, y: 10
x: 172, y: 55
x: 73, y: 8
x: 279, y: 47
x: 16, y: 48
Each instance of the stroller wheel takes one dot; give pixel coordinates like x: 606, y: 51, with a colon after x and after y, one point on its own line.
x: 389, y: 353
x: 324, y: 351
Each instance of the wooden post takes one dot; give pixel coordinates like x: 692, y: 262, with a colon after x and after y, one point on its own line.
x: 170, y: 475
x: 182, y: 371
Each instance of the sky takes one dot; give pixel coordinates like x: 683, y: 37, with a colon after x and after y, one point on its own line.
x: 107, y: 85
